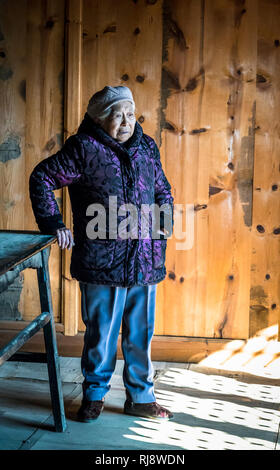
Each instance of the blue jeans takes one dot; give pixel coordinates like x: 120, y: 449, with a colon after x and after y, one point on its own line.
x: 104, y: 310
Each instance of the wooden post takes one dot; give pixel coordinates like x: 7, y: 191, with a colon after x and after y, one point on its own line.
x: 72, y: 112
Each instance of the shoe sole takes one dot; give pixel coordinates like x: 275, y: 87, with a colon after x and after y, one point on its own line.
x: 143, y: 415
x: 82, y: 420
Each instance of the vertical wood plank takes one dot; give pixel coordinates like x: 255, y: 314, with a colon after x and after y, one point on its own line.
x: 265, y: 275
x: 12, y: 132
x: 72, y: 113
x: 208, y: 92
x: 113, y: 31
x: 31, y: 125
x: 43, y: 123
x: 232, y: 163
x: 181, y: 91
x: 12, y: 118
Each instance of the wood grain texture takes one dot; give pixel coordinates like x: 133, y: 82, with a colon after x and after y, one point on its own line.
x: 43, y: 122
x: 232, y: 159
x: 205, y: 77
x: 31, y: 72
x: 210, y: 103
x: 265, y: 275
x: 12, y: 131
x: 205, y: 57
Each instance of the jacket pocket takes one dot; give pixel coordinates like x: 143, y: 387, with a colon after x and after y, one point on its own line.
x: 159, y: 250
x: 99, y: 254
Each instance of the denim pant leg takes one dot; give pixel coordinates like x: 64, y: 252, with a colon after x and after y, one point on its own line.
x: 137, y: 332
x: 102, y: 310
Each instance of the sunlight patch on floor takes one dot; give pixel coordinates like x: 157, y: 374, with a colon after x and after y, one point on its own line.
x: 220, y: 385
x: 193, y: 438
x: 212, y: 412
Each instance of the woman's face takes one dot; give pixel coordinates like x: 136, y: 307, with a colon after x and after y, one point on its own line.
x: 120, y: 123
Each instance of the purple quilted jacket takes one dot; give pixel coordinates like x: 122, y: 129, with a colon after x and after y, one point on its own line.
x: 95, y: 166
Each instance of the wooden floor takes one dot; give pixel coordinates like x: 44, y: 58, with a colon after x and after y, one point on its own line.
x: 213, y: 410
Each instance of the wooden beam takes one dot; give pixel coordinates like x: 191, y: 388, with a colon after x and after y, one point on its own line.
x: 72, y: 109
x: 19, y: 325
x: 164, y: 348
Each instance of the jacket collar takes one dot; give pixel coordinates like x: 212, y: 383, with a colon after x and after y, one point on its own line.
x: 89, y: 127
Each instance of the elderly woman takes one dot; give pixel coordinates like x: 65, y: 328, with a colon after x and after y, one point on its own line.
x: 110, y: 159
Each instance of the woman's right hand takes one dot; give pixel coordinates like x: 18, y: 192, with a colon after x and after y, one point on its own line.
x: 65, y: 238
